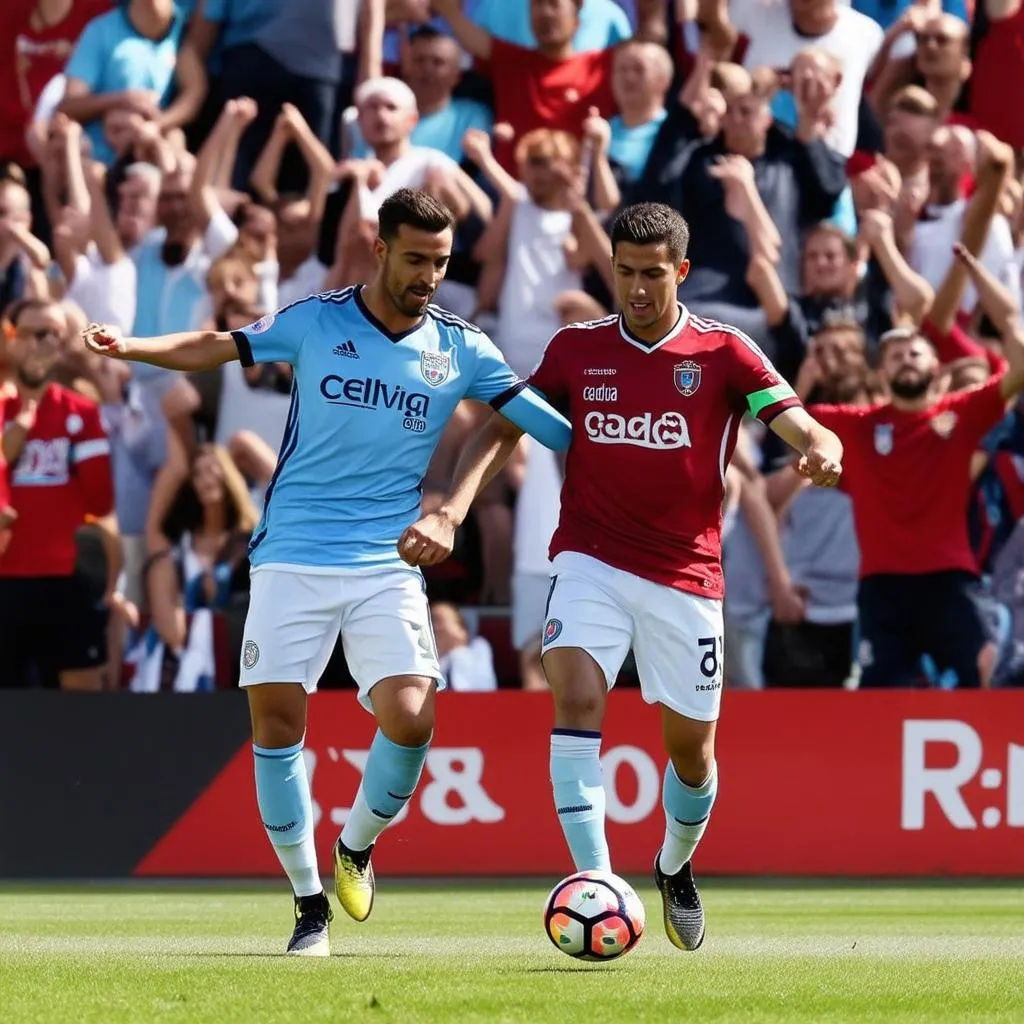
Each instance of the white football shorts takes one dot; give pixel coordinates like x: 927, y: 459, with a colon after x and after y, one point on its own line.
x: 676, y: 636
x: 295, y: 617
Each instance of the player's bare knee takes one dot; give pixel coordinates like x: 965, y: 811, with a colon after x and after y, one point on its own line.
x: 579, y: 702
x: 278, y: 714
x: 693, y: 763
x: 404, y: 707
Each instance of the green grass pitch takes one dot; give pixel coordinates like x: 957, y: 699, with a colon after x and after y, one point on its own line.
x: 787, y: 953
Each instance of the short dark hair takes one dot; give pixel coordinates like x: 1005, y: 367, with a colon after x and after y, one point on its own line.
x: 425, y: 31
x: 418, y: 209
x: 652, y: 224
x: 17, y: 309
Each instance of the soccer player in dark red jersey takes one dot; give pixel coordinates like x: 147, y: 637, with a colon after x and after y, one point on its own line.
x: 655, y: 396
x: 908, y: 465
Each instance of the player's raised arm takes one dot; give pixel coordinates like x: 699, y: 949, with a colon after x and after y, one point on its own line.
x: 821, y: 451
x: 188, y: 350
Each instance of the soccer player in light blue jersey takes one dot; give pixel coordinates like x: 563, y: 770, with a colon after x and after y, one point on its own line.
x: 378, y: 373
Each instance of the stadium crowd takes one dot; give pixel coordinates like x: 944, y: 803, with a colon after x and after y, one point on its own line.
x: 847, y: 171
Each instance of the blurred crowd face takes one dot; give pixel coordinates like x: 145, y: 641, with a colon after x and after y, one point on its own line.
x: 432, y: 68
x: 174, y: 213
x: 414, y: 265
x: 208, y: 477
x: 812, y: 17
x: 554, y: 22
x: 543, y: 157
x: 15, y: 208
x: 385, y: 122
x: 297, y: 235
x: 951, y: 155
x: 641, y: 76
x: 136, y: 208
x: 842, y: 363
x: 746, y: 122
x: 828, y: 268
x: 942, y: 49
x: 257, y: 232
x: 35, y: 344
x: 119, y: 127
x: 450, y: 630
x: 908, y: 366
x: 232, y: 279
x: 907, y: 136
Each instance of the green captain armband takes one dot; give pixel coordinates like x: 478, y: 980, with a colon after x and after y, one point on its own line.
x: 758, y: 401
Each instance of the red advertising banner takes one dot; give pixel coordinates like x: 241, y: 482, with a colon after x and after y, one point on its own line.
x: 811, y: 783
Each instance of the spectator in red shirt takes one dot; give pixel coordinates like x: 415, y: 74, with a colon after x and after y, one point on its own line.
x: 550, y: 87
x: 36, y: 39
x: 907, y: 469
x: 56, y: 464
x: 998, y: 64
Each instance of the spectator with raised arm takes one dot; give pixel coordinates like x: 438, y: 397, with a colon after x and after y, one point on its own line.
x: 940, y: 62
x: 129, y: 59
x: 954, y: 153
x: 431, y: 64
x: 277, y: 52
x: 553, y: 86
x: 759, y: 35
x: 998, y: 58
x: 387, y: 115
x: 797, y: 177
x: 297, y: 215
x: 24, y: 259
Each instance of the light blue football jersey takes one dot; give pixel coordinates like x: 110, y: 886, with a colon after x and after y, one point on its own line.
x: 368, y: 409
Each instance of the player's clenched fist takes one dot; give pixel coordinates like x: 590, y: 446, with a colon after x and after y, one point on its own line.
x: 823, y: 463
x: 428, y: 541
x: 104, y: 340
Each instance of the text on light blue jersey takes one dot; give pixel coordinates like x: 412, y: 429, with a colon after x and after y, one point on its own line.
x: 368, y: 409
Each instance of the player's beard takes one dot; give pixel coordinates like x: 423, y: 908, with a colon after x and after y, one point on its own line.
x: 911, y: 389
x: 407, y: 302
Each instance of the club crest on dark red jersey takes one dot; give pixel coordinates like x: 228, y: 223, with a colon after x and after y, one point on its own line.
x: 686, y: 377
x: 883, y: 438
x: 944, y: 423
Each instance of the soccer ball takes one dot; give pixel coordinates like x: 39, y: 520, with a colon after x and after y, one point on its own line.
x: 594, y: 915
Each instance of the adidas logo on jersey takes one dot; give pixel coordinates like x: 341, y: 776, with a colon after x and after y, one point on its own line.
x: 348, y: 349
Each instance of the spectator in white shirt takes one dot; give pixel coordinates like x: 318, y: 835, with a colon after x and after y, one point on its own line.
x: 771, y: 35
x: 387, y: 116
x: 952, y: 156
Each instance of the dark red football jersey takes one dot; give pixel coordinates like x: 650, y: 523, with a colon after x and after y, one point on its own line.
x: 654, y: 427
x: 62, y: 475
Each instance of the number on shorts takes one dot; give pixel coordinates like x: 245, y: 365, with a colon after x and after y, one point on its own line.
x: 709, y: 660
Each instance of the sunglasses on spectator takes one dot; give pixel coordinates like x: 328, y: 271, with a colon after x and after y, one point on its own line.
x: 938, y: 38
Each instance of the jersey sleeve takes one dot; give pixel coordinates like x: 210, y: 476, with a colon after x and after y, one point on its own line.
x: 979, y: 409
x: 757, y: 386
x: 548, y: 376
x: 88, y: 57
x: 277, y: 337
x: 493, y: 380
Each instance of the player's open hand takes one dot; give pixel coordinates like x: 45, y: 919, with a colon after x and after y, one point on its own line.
x: 823, y: 463
x: 105, y: 340
x: 428, y: 541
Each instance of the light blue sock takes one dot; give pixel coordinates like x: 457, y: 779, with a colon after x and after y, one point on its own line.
x: 389, y: 781
x: 579, y: 796
x: 286, y: 807
x: 687, y: 811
